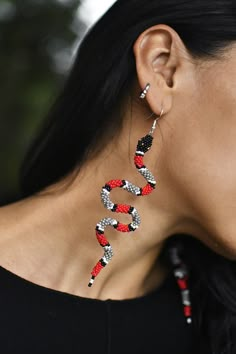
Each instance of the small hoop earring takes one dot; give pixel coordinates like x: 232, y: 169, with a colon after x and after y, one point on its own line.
x: 145, y: 91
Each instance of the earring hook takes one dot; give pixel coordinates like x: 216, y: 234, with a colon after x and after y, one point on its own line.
x: 155, y: 121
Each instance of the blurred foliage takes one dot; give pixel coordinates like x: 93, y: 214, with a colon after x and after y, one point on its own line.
x: 36, y: 42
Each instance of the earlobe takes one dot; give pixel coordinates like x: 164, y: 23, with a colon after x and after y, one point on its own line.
x: 156, y: 62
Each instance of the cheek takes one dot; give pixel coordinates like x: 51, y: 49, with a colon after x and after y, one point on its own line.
x: 207, y: 182
x: 202, y: 165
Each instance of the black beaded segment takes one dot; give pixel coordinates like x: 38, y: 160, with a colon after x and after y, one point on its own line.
x: 131, y: 228
x: 99, y: 231
x: 123, y: 183
x: 103, y: 263
x: 131, y: 209
x: 140, y: 192
x: 116, y: 225
x: 92, y: 278
x: 114, y: 207
x: 107, y: 187
x: 145, y: 143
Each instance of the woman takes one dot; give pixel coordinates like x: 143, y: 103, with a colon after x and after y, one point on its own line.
x: 164, y: 71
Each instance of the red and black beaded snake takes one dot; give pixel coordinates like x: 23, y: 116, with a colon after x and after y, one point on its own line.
x: 144, y: 144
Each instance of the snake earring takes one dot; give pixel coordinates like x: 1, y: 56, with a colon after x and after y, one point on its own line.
x: 180, y: 270
x: 144, y: 144
x: 181, y: 274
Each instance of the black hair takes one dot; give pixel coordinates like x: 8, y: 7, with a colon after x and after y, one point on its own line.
x: 79, y: 124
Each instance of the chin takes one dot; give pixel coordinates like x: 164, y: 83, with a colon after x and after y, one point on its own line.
x: 220, y: 238
x: 225, y: 247
x: 227, y: 254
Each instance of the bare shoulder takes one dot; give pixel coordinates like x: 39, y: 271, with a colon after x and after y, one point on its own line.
x: 13, y: 235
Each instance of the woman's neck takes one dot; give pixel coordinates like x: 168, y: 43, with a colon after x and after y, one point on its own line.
x: 50, y: 238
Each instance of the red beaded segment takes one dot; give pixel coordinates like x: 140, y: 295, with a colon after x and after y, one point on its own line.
x: 138, y: 160
x: 187, y: 311
x: 114, y: 183
x: 102, y: 239
x: 122, y: 208
x: 122, y: 227
x: 96, y: 270
x: 125, y: 209
x: 147, y: 189
x: 182, y: 283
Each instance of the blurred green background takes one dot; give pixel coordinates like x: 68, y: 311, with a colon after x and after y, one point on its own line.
x: 37, y: 42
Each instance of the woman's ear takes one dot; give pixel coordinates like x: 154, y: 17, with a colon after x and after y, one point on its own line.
x: 159, y: 53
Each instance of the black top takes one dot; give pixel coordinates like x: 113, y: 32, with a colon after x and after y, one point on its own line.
x: 39, y: 320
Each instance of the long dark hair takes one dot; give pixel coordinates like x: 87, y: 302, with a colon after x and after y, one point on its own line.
x: 78, y: 125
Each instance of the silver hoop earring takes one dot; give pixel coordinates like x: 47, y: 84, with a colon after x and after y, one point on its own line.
x: 144, y: 92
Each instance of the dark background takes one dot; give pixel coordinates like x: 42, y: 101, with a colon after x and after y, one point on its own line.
x: 37, y: 42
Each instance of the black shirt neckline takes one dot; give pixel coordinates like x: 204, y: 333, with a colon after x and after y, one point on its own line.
x: 169, y: 280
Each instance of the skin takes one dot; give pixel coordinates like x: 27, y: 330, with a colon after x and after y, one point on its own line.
x: 49, y: 239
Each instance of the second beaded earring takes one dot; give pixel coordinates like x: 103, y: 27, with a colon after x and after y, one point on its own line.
x: 144, y: 144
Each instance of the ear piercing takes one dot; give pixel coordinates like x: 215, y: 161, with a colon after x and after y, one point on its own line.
x: 145, y: 91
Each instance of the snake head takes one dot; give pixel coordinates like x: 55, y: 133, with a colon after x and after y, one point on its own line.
x: 145, y: 143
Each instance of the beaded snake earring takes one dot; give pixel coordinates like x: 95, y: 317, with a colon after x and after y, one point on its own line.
x: 181, y: 274
x: 144, y: 144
